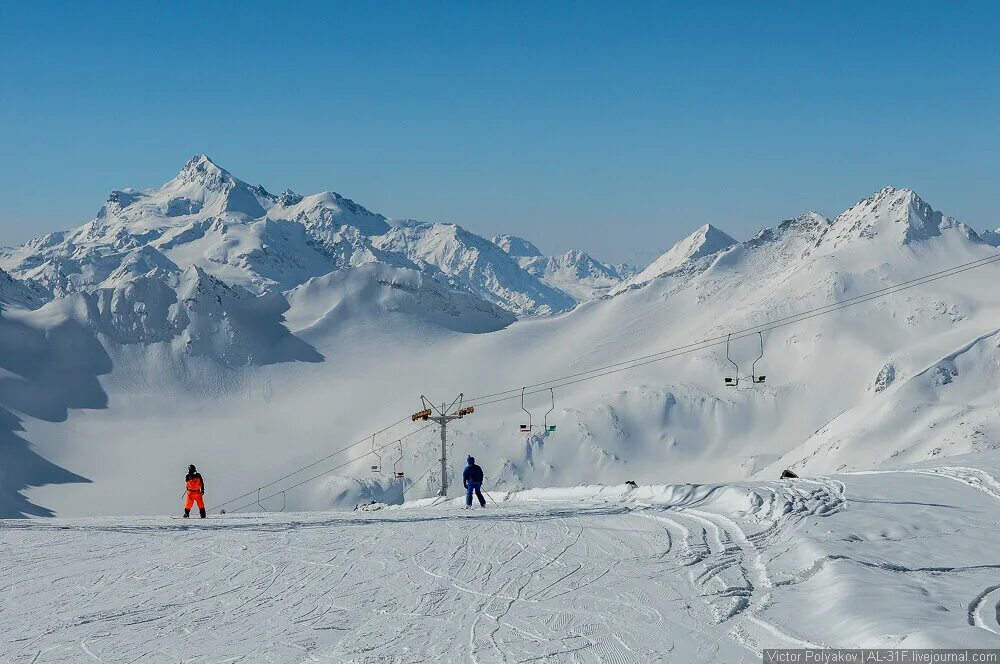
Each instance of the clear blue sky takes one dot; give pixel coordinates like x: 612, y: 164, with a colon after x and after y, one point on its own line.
x: 615, y: 127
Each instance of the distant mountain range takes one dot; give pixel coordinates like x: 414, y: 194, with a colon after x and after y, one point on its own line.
x: 246, y: 236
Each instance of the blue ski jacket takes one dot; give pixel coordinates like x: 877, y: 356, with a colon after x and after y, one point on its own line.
x: 472, y: 474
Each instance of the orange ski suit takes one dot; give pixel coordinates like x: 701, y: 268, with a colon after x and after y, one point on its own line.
x: 195, y: 494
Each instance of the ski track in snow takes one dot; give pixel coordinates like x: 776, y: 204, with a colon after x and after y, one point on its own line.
x: 601, y: 580
x: 518, y: 584
x: 984, y: 609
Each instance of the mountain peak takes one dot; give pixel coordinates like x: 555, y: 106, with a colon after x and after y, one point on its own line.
x: 890, y: 191
x: 890, y: 212
x: 516, y: 246
x: 705, y: 241
x: 201, y: 170
x: 712, y: 233
x: 202, y: 162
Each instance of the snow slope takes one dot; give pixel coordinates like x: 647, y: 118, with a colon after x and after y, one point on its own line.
x: 374, y: 290
x: 22, y: 294
x: 690, y: 573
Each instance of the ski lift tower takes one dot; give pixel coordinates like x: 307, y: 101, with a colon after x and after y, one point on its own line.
x: 444, y: 415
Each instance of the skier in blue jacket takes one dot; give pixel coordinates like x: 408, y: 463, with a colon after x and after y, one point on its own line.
x: 472, y: 478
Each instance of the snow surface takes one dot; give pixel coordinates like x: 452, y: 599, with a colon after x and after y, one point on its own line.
x: 687, y: 573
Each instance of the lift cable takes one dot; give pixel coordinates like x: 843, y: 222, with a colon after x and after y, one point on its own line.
x: 324, y: 473
x: 311, y: 465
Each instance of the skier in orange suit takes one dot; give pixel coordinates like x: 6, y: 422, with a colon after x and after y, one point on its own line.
x: 195, y: 492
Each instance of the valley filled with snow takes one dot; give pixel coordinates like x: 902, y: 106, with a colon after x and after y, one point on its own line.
x: 281, y: 342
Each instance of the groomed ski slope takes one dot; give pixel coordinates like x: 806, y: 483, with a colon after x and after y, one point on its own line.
x: 690, y: 573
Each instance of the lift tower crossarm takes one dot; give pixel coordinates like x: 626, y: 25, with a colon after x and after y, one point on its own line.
x: 444, y: 415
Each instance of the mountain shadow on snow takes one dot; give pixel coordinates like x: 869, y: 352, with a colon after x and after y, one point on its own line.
x: 43, y: 374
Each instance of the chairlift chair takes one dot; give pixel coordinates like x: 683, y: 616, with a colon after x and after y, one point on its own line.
x: 525, y: 428
x: 754, y: 378
x: 546, y: 426
x: 376, y: 468
x: 759, y: 380
x: 398, y: 474
x: 732, y: 382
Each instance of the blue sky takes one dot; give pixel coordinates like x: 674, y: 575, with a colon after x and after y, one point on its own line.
x: 614, y: 127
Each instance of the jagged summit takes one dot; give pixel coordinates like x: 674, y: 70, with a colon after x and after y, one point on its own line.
x: 201, y: 170
x: 516, y: 246
x: 896, y: 215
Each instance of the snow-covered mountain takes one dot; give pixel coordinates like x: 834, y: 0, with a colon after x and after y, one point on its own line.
x: 245, y: 236
x: 575, y: 272
x: 705, y: 241
x: 252, y: 346
x: 474, y: 262
x: 898, y: 214
x: 24, y: 294
x: 206, y: 218
x: 516, y: 246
